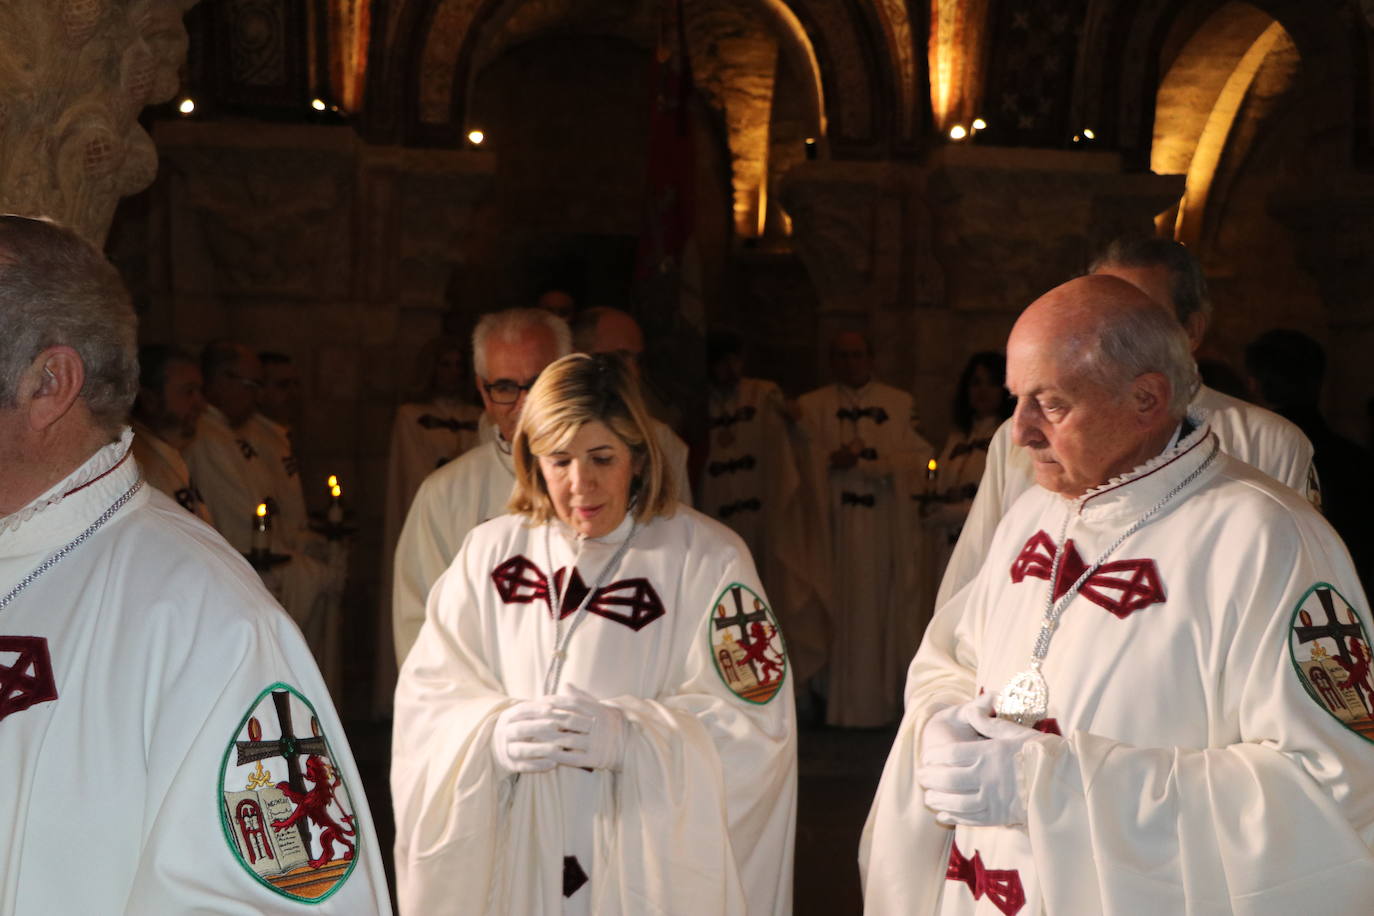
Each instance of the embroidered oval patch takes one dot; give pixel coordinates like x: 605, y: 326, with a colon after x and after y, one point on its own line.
x: 286, y: 812
x: 746, y: 644
x: 1330, y: 649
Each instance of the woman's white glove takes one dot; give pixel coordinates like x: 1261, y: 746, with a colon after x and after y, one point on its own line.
x: 977, y: 783
x: 526, y: 736
x: 593, y: 735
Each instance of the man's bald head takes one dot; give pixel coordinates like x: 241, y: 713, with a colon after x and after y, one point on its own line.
x: 1102, y: 376
x: 1167, y: 272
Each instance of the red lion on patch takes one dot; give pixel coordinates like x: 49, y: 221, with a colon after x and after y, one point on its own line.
x: 314, y: 804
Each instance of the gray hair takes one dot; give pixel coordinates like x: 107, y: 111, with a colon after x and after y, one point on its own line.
x: 56, y: 289
x: 1132, y: 342
x: 510, y: 325
x: 1187, y: 285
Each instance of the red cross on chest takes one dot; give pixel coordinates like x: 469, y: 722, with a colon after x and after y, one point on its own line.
x: 1120, y: 586
x: 27, y: 680
x: 632, y: 602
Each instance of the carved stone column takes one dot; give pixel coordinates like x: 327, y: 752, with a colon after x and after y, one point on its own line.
x: 74, y: 74
x: 1332, y: 221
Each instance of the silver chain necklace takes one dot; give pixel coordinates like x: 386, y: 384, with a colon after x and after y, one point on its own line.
x: 80, y: 539
x: 561, y: 640
x: 1025, y: 698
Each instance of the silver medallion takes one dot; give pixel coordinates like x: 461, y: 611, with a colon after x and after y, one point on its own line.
x: 1025, y: 700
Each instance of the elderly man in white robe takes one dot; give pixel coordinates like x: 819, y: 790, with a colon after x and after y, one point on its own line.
x: 595, y: 718
x: 164, y: 416
x: 1149, y: 699
x: 866, y: 455
x: 268, y: 433
x: 1168, y: 273
x: 169, y: 746
x: 509, y: 350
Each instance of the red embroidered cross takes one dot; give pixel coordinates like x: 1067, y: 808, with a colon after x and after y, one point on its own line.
x: 29, y: 680
x: 1121, y: 586
x: 632, y: 602
x: 1002, y: 885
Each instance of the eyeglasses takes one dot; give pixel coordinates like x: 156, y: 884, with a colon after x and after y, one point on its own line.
x: 507, y: 391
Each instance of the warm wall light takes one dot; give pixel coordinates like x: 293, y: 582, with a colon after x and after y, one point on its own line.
x: 1088, y: 132
x: 187, y: 106
x: 318, y: 104
x: 957, y: 132
x: 475, y: 137
x: 980, y: 124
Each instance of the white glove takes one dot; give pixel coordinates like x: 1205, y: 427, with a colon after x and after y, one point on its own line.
x: 594, y: 733
x: 947, y: 727
x: 976, y: 783
x: 526, y: 735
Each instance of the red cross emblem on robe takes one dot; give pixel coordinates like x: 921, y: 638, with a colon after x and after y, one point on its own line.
x: 632, y: 602
x: 1120, y: 586
x: 27, y: 680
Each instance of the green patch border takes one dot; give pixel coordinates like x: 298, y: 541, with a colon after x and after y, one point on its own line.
x: 772, y: 618
x: 224, y: 817
x: 1292, y: 652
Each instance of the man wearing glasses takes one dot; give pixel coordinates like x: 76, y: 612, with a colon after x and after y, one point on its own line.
x: 509, y: 350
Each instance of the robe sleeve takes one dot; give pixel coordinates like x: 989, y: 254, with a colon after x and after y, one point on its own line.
x: 219, y: 473
x: 1274, y: 819
x: 447, y: 792
x: 707, y: 795
x: 903, y: 851
x: 217, y: 642
x: 423, y: 552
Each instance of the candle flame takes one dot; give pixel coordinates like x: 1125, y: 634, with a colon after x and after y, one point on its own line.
x: 335, y: 491
x: 930, y: 465
x: 333, y: 481
x: 262, y: 510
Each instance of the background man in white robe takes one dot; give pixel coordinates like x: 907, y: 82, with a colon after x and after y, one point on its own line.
x: 1193, y: 750
x: 865, y: 450
x: 169, y: 403
x: 132, y: 663
x: 752, y: 482
x: 509, y: 350
x: 268, y: 431
x: 607, y: 330
x: 433, y: 427
x: 1170, y: 275
x: 235, y: 478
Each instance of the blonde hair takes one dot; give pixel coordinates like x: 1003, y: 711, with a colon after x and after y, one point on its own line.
x: 572, y: 392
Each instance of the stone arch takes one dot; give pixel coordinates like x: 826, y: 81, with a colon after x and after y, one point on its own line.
x: 1123, y: 42
x: 859, y: 59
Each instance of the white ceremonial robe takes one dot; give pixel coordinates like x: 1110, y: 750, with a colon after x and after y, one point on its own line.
x: 1258, y: 437
x: 700, y: 817
x: 451, y: 502
x: 291, y: 527
x: 165, y: 469
x: 234, y: 479
x: 144, y: 650
x: 1196, y: 773
x: 871, y: 519
x: 752, y: 483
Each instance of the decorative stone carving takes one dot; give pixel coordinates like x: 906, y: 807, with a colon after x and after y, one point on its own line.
x: 74, y: 75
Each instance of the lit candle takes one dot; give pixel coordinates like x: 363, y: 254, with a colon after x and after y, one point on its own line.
x: 262, y: 526
x: 335, y: 514
x: 930, y: 469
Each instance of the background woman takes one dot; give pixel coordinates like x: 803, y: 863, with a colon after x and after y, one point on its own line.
x: 633, y: 753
